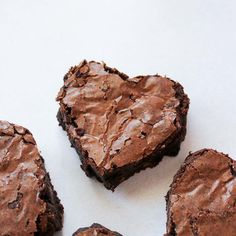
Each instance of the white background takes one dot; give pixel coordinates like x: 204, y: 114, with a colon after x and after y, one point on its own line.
x: 193, y: 42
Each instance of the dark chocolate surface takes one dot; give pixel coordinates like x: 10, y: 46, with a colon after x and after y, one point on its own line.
x: 115, y: 121
x: 202, y: 197
x: 95, y: 230
x: 28, y: 203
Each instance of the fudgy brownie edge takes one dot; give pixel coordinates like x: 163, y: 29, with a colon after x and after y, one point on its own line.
x: 54, y: 210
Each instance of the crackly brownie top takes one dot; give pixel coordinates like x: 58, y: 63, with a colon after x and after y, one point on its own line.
x: 21, y: 175
x: 95, y: 230
x: 117, y: 119
x: 203, y: 195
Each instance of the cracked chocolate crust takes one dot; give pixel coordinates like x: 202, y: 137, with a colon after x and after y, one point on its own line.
x: 201, y: 200
x: 28, y: 201
x: 113, y: 176
x: 95, y: 229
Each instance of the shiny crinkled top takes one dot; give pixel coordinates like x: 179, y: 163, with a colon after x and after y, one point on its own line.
x: 202, y: 198
x: 112, y: 114
x: 21, y: 175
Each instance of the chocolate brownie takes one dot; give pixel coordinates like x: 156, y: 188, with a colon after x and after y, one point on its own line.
x: 95, y: 230
x: 28, y: 203
x: 202, y: 197
x: 121, y: 125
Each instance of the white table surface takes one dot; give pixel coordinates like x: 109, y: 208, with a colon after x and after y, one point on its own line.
x: 193, y: 42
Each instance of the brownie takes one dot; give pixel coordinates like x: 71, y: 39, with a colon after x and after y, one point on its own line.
x: 202, y: 197
x: 28, y: 203
x: 120, y: 125
x: 95, y: 229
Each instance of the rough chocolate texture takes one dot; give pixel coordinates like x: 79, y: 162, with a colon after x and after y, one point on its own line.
x: 28, y: 203
x: 95, y: 230
x: 121, y: 125
x: 201, y: 200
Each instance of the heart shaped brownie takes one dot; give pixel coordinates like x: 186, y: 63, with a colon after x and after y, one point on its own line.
x: 202, y: 197
x: 28, y: 203
x: 121, y: 125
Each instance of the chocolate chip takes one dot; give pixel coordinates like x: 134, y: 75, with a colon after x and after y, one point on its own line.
x: 131, y: 97
x: 16, y: 203
x: 80, y: 131
x: 143, y: 134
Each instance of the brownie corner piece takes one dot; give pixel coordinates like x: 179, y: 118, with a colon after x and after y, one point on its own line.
x: 202, y: 196
x: 28, y: 200
x: 121, y: 125
x: 95, y: 229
